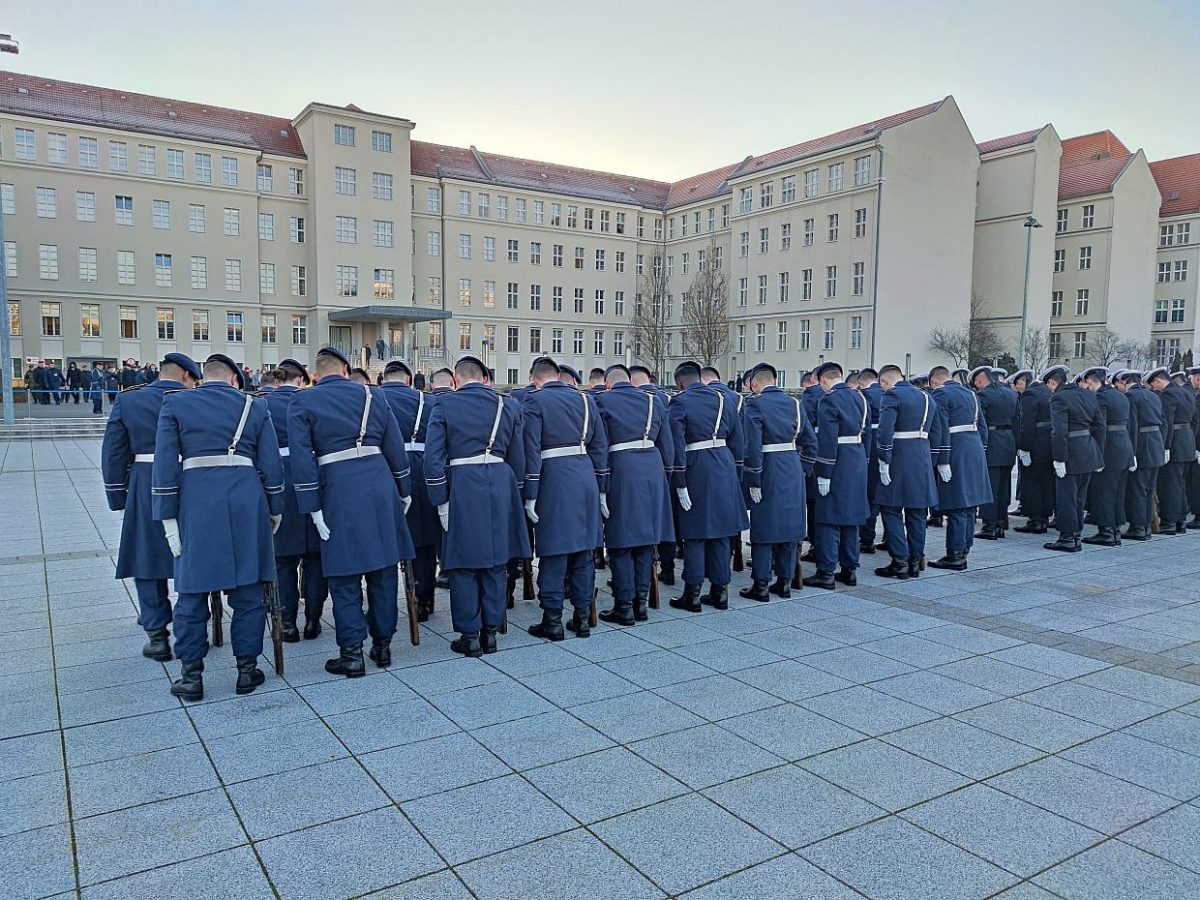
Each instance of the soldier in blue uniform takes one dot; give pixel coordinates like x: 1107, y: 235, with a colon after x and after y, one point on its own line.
x: 1106, y: 492
x: 1077, y: 436
x: 568, y: 376
x: 711, y: 377
x: 125, y: 458
x: 1179, y: 408
x: 963, y: 483
x: 474, y: 465
x: 216, y: 464
x: 1035, y: 457
x: 412, y: 409
x: 999, y: 405
x: 352, y: 479
x: 811, y: 393
x: 641, y: 457
x: 780, y: 447
x: 668, y: 551
x: 441, y: 381
x: 297, y: 544
x: 868, y: 384
x: 843, y: 423
x: 1193, y: 478
x: 707, y: 434
x: 910, y: 425
x: 596, y: 385
x: 1150, y: 428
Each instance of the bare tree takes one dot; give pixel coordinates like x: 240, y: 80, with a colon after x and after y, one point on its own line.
x: 952, y: 341
x: 973, y: 342
x: 705, y: 313
x: 649, y: 326
x: 1037, y: 350
x: 1106, y: 347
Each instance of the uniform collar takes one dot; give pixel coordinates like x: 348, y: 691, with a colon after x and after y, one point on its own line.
x: 623, y: 385
x: 219, y: 384
x: 772, y: 387
x: 286, y: 388
x: 554, y: 384
x: 475, y: 385
x: 331, y: 378
x: 442, y: 389
x: 168, y: 383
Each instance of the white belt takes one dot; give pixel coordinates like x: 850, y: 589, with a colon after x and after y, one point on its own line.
x: 556, y: 452
x: 415, y: 447
x: 631, y: 445
x: 349, y: 453
x: 849, y: 438
x: 285, y: 451
x: 778, y: 448
x: 208, y: 462
x: 480, y: 460
x: 874, y: 425
x: 149, y: 457
x: 910, y: 435
x: 958, y: 429
x: 704, y: 445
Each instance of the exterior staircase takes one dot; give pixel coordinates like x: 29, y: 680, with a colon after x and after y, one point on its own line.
x: 53, y: 429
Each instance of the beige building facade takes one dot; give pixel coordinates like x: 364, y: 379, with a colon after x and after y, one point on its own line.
x: 1178, y: 263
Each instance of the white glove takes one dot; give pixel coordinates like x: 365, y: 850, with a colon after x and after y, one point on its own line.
x: 823, y: 485
x: 604, y: 505
x: 1024, y: 457
x: 1198, y: 456
x: 318, y: 520
x: 1133, y: 468
x: 276, y: 521
x: 885, y: 474
x: 1099, y: 470
x: 685, y: 499
x: 945, y: 473
x: 756, y: 495
x: 171, y: 530
x: 1060, y: 469
x: 531, y: 511
x: 1167, y: 456
x: 406, y: 502
x: 444, y: 515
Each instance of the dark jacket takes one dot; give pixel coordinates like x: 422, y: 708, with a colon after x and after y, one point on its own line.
x: 1179, y: 406
x: 1033, y: 434
x: 1118, y: 446
x: 1077, y: 429
x: 999, y: 404
x: 74, y: 378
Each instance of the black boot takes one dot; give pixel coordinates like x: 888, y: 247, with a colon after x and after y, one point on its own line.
x: 717, y: 597
x: 250, y: 675
x: 666, y: 575
x: 810, y: 555
x: 620, y: 614
x: 1136, y: 533
x: 1180, y: 528
x: 847, y: 577
x: 349, y: 662
x: 895, y: 569
x: 690, y: 599
x: 914, y: 567
x: 1194, y: 524
x: 934, y: 521
x: 989, y: 532
x: 579, y: 624
x: 159, y: 646
x: 601, y: 559
x: 954, y: 561
x: 442, y: 581
x: 550, y: 627
x: 1035, y: 525
x: 381, y: 652
x: 1105, y: 537
x: 781, y: 588
x: 424, y: 610
x: 487, y: 639
x: 312, y: 626
x: 756, y: 591
x: 467, y: 645
x: 821, y: 580
x: 510, y: 591
x: 641, y: 609
x: 291, y: 634
x: 1066, y: 543
x: 867, y: 546
x: 190, y: 685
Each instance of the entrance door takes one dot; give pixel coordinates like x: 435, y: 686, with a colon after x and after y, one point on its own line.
x: 396, y: 340
x: 339, y: 338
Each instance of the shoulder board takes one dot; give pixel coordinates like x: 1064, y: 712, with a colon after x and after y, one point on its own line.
x: 174, y: 391
x: 260, y: 393
x: 132, y: 387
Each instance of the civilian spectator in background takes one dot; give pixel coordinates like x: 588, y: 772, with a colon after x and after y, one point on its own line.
x: 74, y: 381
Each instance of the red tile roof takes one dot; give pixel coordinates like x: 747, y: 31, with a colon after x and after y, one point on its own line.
x: 1179, y: 183
x: 1091, y: 164
x: 1010, y: 141
x: 1093, y: 147
x: 65, y: 101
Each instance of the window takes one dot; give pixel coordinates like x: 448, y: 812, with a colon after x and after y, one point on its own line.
x: 489, y: 295
x: 346, y: 281
x: 26, y: 144
x: 1180, y: 270
x: 268, y: 329
x: 837, y: 177
x: 746, y: 199
x: 381, y: 141
x: 48, y: 262
x: 1060, y: 260
x: 381, y: 185
x: 435, y: 335
x: 556, y: 255
x: 618, y: 343
x: 806, y: 283
x: 88, y: 264
x: 489, y: 249
x: 89, y: 320
x: 513, y: 295
x: 514, y: 339
x: 266, y: 278
x: 805, y: 334
x: 433, y: 200
x: 827, y: 343
x: 296, y: 182
x: 766, y: 194
x: 712, y: 219
x: 589, y: 215
x: 539, y: 211
x: 464, y: 246
x: 833, y: 228
x: 202, y: 163
x: 123, y: 210
x: 760, y: 337
x: 781, y: 336
x: 658, y: 229
x: 785, y: 287
x: 229, y: 171
x: 600, y: 260
x: 464, y: 336
x: 572, y: 217
x: 514, y: 251
x: 502, y: 208
x: 743, y: 290
x: 744, y: 244
x: 47, y: 203
x: 345, y: 181
x: 266, y: 226
x: 701, y: 260
x: 264, y: 177
x: 344, y: 135
x: 165, y: 320
x: 433, y: 243
x: 1085, y: 258
x: 519, y: 213
x: 862, y: 171
x: 89, y: 153
x: 856, y: 332
x: 577, y: 342
x: 299, y: 330
x: 129, y: 323
x: 1060, y: 224
x: 1080, y: 344
x: 1177, y: 309
x: 162, y: 270
x: 51, y: 320
x: 435, y: 290
x: 618, y: 303
x: 197, y: 218
x: 858, y: 279
x: 464, y: 203
x: 599, y: 301
x: 233, y: 221
x: 200, y: 325
x: 579, y: 257
x: 1056, y: 304
x: 787, y: 189
x: 383, y: 233
x: 620, y: 223
x: 234, y: 331
x: 598, y: 343
x: 578, y: 301
x: 1171, y: 235
x: 1081, y: 301
x: 785, y: 236
x: 1089, y: 217
x: 118, y: 155
x: 831, y: 281
x: 8, y: 199
x: 764, y: 240
x: 640, y: 264
x: 724, y: 216
x: 233, y: 274
x: 718, y: 257
x: 198, y: 270
x: 484, y: 205
x: 464, y: 292
x: 762, y: 290
x: 535, y: 253
x: 741, y: 339
x: 1160, y: 312
x: 147, y: 160
x: 556, y: 299
x: 860, y: 223
x: 810, y: 230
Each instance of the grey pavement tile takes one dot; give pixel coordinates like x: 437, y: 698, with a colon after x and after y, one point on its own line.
x: 230, y: 873
x: 1150, y: 765
x: 728, y: 654
x: 482, y: 819
x: 1031, y: 724
x: 902, y: 620
x: 676, y: 632
x: 156, y: 834
x: 963, y: 748
x: 541, y: 657
x: 582, y: 684
x: 1026, y: 890
x: 1171, y: 729
x: 718, y: 697
x: 842, y: 604
x: 74, y: 679
x: 348, y: 694
x: 30, y: 754
x: 540, y: 740
x: 793, y: 806
x: 993, y: 675
x: 892, y: 858
x: 848, y: 631
x: 249, y: 713
x: 440, y: 886
x: 490, y: 704
x: 791, y: 732
x: 296, y: 798
x: 1011, y: 833
x: 33, y: 802
x: 868, y: 711
x: 240, y: 757
x: 1049, y: 661
x: 792, y: 612
x: 658, y: 669
x: 734, y: 622
x: 635, y: 716
x: 1081, y: 794
x: 142, y: 778
x: 916, y: 651
x: 114, y: 702
x: 1175, y: 836
x: 1165, y: 692
x: 935, y: 587
x: 1117, y: 871
x: 1092, y: 704
x: 539, y: 869
x: 885, y: 775
x: 1134, y: 637
x: 790, y: 641
x: 28, y: 715
x: 973, y: 640
x: 936, y: 692
x: 428, y: 767
x: 629, y: 782
x: 126, y: 737
x: 87, y: 652
x: 38, y: 863
x: 686, y: 842
x: 610, y: 645
x: 451, y: 675
x: 792, y: 680
x: 857, y: 665
x: 703, y: 756
x: 343, y: 858
x: 364, y: 730
x: 784, y: 876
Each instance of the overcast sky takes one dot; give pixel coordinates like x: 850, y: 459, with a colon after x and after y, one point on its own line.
x: 657, y: 89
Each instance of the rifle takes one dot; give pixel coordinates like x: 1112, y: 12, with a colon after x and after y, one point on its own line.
x: 218, y: 612
x: 271, y: 597
x: 410, y: 601
x: 592, y: 609
x: 798, y: 575
x: 601, y: 559
x: 654, y: 577
x: 527, y: 592
x: 739, y: 563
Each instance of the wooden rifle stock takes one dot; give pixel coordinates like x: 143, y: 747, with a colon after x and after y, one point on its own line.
x: 654, y: 578
x: 592, y: 609
x: 271, y: 598
x: 410, y: 602
x: 527, y: 591
x: 739, y: 563
x: 218, y: 623
x: 798, y: 574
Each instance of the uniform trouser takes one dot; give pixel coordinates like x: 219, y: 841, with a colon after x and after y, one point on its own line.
x: 631, y: 573
x: 287, y: 576
x: 904, y: 531
x: 1139, y: 497
x: 1070, y: 495
x: 1193, y: 488
x: 777, y: 558
x: 1000, y: 478
x: 1106, y: 497
x: 866, y: 533
x: 97, y: 402
x: 154, y: 604
x: 960, y: 529
x: 245, y: 631
x: 515, y: 566
x: 834, y: 544
x: 476, y: 598
x: 709, y: 558
x: 352, y: 626
x: 567, y: 573
x: 425, y: 572
x: 1039, y: 490
x: 1172, y: 492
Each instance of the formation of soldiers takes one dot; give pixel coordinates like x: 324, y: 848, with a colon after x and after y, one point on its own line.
x: 321, y: 485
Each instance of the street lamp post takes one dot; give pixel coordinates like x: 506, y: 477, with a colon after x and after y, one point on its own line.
x: 1030, y: 224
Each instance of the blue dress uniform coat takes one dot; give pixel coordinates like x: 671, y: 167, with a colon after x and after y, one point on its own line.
x: 1033, y: 437
x: 1106, y: 493
x: 1078, y: 433
x: 1179, y: 406
x: 843, y: 425
x: 969, y: 485
x: 874, y: 394
x: 999, y: 404
x: 412, y: 410
x: 911, y: 435
x: 1150, y: 429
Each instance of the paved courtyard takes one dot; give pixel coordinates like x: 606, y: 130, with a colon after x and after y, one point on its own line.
x: 1028, y: 729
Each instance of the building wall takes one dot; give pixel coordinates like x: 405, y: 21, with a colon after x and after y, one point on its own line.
x: 1135, y: 238
x: 1175, y: 288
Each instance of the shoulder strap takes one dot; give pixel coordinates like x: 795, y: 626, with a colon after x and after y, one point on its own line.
x: 495, y: 424
x: 925, y: 415
x: 241, y: 425
x: 362, y: 428
x: 587, y: 417
x: 649, y: 415
x: 799, y: 421
x: 866, y: 413
x: 420, y: 409
x: 720, y: 413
